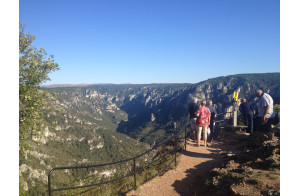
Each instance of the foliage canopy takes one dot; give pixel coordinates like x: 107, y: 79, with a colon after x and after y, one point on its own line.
x: 34, y: 67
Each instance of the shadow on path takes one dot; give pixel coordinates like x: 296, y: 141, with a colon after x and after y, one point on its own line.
x: 190, y: 185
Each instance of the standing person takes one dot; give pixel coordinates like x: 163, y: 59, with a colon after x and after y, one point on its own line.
x: 247, y: 112
x: 213, y: 112
x: 193, y: 108
x: 265, y: 115
x: 278, y: 124
x: 203, y: 122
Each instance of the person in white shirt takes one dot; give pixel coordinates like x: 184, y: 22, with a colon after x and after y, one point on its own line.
x: 265, y: 115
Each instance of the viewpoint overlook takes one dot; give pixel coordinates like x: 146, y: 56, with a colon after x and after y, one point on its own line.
x: 103, y: 123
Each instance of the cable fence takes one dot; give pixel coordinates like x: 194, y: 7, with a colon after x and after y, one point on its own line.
x: 128, y: 173
x: 161, y: 157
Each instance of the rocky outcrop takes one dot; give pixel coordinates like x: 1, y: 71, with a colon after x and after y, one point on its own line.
x: 33, y: 174
x: 247, y: 171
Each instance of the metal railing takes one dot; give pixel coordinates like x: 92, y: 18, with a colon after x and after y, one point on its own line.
x: 230, y: 117
x: 134, y: 172
x: 223, y: 120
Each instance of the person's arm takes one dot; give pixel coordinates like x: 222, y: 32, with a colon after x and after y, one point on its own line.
x: 215, y: 111
x: 267, y: 108
x: 252, y: 109
x: 198, y: 113
x: 209, y: 114
x: 241, y: 109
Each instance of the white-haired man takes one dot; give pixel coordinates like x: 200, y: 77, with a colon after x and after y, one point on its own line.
x: 193, y: 108
x: 265, y: 115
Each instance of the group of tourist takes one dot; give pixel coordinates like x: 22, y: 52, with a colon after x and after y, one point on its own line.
x: 202, y: 117
x: 263, y: 117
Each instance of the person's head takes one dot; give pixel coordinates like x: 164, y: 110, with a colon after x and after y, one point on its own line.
x: 209, y: 103
x: 195, y: 100
x: 203, y: 103
x: 258, y: 93
x: 244, y: 100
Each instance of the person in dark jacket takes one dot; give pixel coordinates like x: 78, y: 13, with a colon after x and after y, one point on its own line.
x: 247, y: 112
x: 213, y: 112
x: 193, y: 109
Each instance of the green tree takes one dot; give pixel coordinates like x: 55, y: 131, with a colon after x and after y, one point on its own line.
x: 34, y: 67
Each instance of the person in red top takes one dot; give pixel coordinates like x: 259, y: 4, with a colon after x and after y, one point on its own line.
x: 203, y: 121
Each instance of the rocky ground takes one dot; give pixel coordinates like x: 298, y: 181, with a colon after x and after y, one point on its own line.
x: 232, y: 165
x: 248, y: 170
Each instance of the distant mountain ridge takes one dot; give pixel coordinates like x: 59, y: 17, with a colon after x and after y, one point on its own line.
x: 106, y: 84
x: 171, y: 83
x: 64, y: 85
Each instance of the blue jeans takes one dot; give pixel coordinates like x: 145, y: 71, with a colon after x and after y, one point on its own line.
x: 248, y: 117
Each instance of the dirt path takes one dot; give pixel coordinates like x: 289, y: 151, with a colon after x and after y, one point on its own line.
x: 193, y: 167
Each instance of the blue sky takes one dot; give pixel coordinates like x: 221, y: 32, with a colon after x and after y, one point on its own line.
x: 154, y: 41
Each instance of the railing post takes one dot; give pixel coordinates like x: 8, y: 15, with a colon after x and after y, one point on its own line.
x: 134, y: 170
x: 49, y: 182
x: 175, y: 158
x: 185, y: 139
